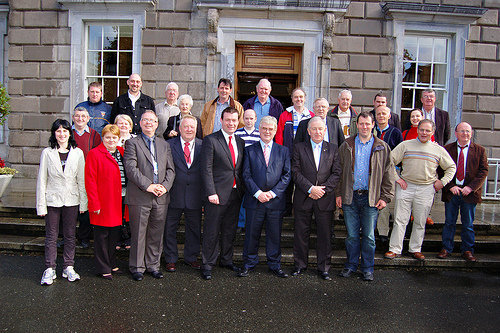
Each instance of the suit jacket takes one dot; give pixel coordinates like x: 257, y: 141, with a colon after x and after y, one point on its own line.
x: 305, y: 174
x: 104, y: 187
x: 139, y: 170
x: 335, y: 133
x: 217, y: 169
x: 274, y: 177
x: 123, y: 105
x: 476, y: 171
x: 275, y: 109
x: 442, y: 134
x: 186, y: 191
x: 174, y: 121
x: 57, y: 188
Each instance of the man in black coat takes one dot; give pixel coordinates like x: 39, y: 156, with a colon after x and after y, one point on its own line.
x: 440, y: 117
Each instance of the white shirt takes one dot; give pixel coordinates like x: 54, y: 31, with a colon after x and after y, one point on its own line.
x: 133, y: 98
x: 233, y: 143
x: 466, y: 151
x: 191, y: 150
x: 430, y: 115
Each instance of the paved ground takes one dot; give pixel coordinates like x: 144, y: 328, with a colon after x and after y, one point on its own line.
x: 397, y: 301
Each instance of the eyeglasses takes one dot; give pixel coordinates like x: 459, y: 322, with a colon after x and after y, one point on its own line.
x: 149, y: 121
x: 464, y: 132
x: 428, y: 97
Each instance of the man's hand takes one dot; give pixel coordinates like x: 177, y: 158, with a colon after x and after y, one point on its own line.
x: 402, y: 183
x: 438, y: 185
x: 381, y: 204
x: 317, y: 192
x: 338, y: 201
x: 157, y: 189
x: 466, y: 191
x: 456, y: 190
x: 265, y: 197
x: 214, y: 199
x: 172, y: 133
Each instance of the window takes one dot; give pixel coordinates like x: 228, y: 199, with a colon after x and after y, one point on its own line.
x: 109, y: 53
x: 426, y: 62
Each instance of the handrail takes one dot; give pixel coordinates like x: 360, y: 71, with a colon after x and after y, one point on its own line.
x: 491, y: 188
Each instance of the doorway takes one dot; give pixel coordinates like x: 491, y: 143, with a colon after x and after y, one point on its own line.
x: 281, y: 65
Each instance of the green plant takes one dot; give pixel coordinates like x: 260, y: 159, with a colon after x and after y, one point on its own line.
x: 4, y: 104
x: 6, y: 170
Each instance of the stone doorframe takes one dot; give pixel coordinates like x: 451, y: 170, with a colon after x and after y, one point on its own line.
x: 314, y: 38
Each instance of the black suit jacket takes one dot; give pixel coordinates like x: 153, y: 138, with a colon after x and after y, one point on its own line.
x: 274, y: 177
x: 123, y: 105
x: 335, y: 133
x: 217, y: 169
x: 186, y: 192
x: 173, y: 124
x: 442, y: 134
x: 305, y: 174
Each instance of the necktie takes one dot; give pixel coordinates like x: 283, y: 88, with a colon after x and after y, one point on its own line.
x: 155, y: 164
x: 187, y: 153
x: 460, y: 166
x: 266, y: 154
x: 317, y: 154
x: 233, y: 156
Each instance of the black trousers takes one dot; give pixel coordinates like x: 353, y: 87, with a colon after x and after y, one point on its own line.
x: 192, y: 243
x: 105, y: 239
x: 84, y: 228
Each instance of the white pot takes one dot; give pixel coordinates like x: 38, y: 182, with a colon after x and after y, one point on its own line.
x: 4, y: 182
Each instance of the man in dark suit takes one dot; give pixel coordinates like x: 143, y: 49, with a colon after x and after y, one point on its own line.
x: 133, y: 103
x: 221, y: 165
x: 334, y: 133
x: 150, y: 172
x: 438, y: 116
x: 463, y: 193
x: 380, y: 99
x: 266, y: 172
x: 316, y: 172
x: 263, y: 103
x: 185, y: 196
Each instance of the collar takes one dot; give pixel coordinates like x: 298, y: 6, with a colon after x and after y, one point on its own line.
x: 147, y: 138
x: 339, y: 110
x: 358, y: 140
x: 465, y: 146
x: 227, y: 102
x: 383, y: 129
x: 268, y: 101
x: 166, y: 104
x: 86, y: 129
x: 430, y: 112
x: 253, y: 130
x: 314, y: 145
x: 227, y: 135
x: 132, y: 96
x: 183, y: 142
x: 262, y: 144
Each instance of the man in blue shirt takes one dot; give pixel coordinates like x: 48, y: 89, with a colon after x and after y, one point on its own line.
x: 99, y: 111
x: 263, y: 103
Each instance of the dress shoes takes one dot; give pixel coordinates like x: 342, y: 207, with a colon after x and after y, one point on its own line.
x: 391, y: 255
x: 244, y: 272
x: 418, y: 255
x: 156, y: 274
x: 206, y: 275
x: 324, y: 275
x: 297, y: 271
x: 107, y: 276
x: 429, y: 221
x: 467, y: 255
x: 346, y: 272
x: 367, y: 276
x: 170, y: 267
x: 443, y: 254
x: 231, y: 267
x: 279, y: 273
x: 384, y: 239
x: 193, y: 264
x: 138, y: 276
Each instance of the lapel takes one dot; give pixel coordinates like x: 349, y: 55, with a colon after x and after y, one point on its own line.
x: 145, y: 149
x: 197, y: 150
x: 225, y: 147
x: 178, y: 150
x: 55, y: 160
x: 310, y: 155
x: 470, y: 163
x: 331, y: 126
x: 324, y: 154
x: 260, y: 153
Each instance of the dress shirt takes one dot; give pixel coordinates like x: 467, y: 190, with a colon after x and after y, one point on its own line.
x: 362, y: 163
x: 191, y: 149
x: 269, y: 146
x: 218, y: 112
x: 316, y: 147
x: 261, y: 110
x: 233, y: 142
x: 133, y: 98
x: 430, y: 115
x: 466, y: 151
x: 86, y: 129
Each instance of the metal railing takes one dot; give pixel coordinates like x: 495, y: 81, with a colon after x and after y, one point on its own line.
x: 491, y: 188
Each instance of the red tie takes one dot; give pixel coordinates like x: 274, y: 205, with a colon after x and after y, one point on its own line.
x: 187, y: 153
x: 460, y: 167
x: 233, y: 157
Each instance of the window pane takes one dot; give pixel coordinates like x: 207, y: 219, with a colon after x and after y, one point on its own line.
x: 93, y: 63
x: 126, y: 37
x: 95, y: 37
x: 439, y: 76
x: 407, y: 99
x: 125, y: 64
x: 409, y: 72
x: 110, y: 62
x: 425, y: 49
x: 110, y: 38
x: 424, y: 74
x: 440, y: 50
x: 110, y: 89
x: 123, y: 86
x: 410, y: 51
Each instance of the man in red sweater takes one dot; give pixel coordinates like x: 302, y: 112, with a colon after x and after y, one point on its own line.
x: 86, y: 138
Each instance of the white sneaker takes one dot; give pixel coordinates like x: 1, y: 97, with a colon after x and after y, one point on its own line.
x: 70, y: 274
x: 48, y: 276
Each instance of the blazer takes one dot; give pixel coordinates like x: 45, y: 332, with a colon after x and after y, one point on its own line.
x: 57, y: 188
x: 104, y: 187
x: 442, y: 134
x: 274, y: 177
x: 139, y: 170
x: 305, y: 175
x: 186, y: 191
x: 335, y: 133
x: 476, y: 171
x: 275, y: 109
x: 174, y: 122
x: 123, y: 105
x: 217, y: 171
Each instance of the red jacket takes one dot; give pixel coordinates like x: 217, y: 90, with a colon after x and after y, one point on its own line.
x: 104, y: 187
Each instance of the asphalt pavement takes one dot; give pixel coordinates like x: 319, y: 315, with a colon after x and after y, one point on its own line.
x: 399, y: 300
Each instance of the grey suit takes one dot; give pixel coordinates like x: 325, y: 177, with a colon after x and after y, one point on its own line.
x: 147, y: 212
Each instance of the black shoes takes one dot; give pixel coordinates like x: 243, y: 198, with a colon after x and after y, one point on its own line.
x: 279, y: 273
x: 324, y: 275
x: 137, y: 276
x: 346, y: 272
x: 156, y: 274
x: 206, y: 274
x: 244, y: 272
x: 297, y: 271
x: 231, y: 267
x: 367, y: 276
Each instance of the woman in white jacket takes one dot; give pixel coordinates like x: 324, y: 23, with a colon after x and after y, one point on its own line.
x: 60, y: 194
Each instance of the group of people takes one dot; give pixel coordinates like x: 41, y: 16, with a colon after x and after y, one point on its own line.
x: 134, y: 169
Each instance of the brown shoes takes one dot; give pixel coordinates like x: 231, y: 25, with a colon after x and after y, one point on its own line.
x: 193, y: 264
x: 391, y: 255
x: 443, y: 254
x: 171, y: 267
x: 467, y: 255
x: 429, y: 221
x: 418, y: 255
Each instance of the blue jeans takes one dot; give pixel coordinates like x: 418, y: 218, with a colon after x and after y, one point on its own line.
x: 359, y: 215
x: 467, y: 212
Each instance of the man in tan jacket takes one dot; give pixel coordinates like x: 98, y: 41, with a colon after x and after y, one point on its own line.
x: 212, y: 111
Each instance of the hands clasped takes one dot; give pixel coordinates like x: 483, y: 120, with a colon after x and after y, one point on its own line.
x: 157, y: 189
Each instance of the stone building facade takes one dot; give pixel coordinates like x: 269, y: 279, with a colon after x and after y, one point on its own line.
x: 56, y: 47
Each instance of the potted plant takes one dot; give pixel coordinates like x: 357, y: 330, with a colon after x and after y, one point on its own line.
x: 4, y: 104
x: 6, y: 175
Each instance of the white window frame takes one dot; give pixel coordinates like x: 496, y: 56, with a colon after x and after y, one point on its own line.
x: 81, y: 13
x: 458, y: 35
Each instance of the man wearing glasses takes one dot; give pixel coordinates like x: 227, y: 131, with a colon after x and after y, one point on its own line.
x: 440, y: 117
